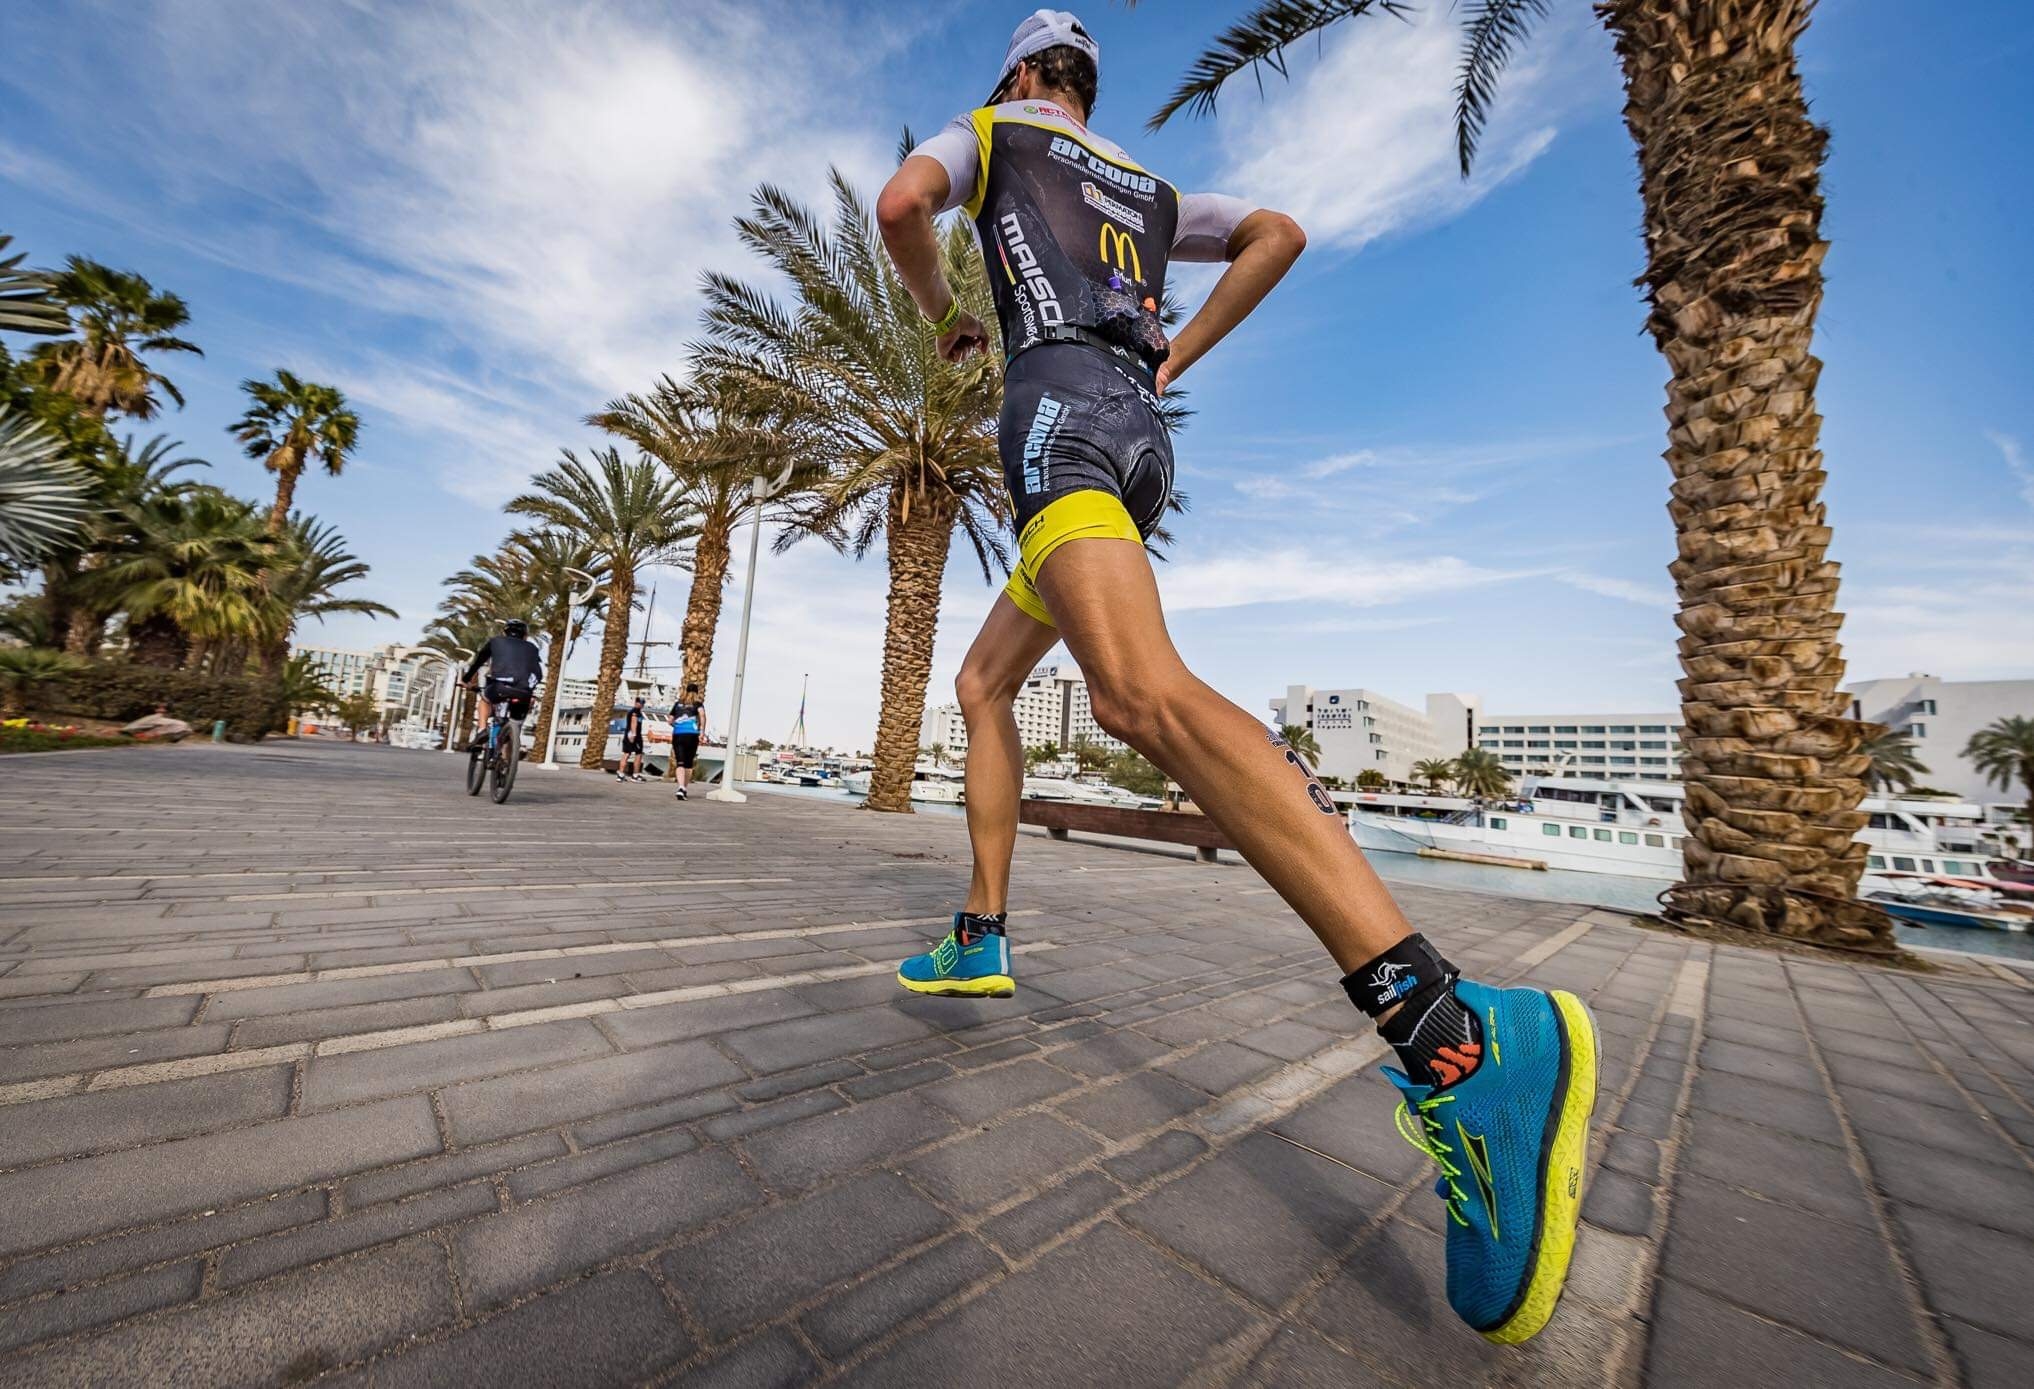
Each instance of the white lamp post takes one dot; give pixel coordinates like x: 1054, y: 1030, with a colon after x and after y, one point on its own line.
x: 578, y: 600
x: 761, y: 490
x: 451, y: 689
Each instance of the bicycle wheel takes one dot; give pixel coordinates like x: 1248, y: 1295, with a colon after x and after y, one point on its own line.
x: 506, y: 758
x: 476, y: 767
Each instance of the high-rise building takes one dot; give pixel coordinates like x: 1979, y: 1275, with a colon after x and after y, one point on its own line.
x: 1940, y: 716
x: 1052, y: 707
x: 1360, y: 730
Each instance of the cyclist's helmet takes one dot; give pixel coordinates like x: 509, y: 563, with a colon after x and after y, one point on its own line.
x: 515, y: 627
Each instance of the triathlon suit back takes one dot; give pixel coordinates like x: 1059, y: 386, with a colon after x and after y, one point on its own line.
x: 684, y: 732
x: 1077, y: 237
x: 514, y: 670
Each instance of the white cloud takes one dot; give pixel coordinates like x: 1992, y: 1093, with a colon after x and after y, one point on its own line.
x: 1363, y: 143
x: 2017, y: 462
x: 1648, y: 595
x: 1293, y: 575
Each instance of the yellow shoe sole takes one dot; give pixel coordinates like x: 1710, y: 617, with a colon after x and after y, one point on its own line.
x: 1566, y: 1159
x: 988, y: 986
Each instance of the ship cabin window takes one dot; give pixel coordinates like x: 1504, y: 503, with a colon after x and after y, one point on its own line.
x: 1875, y: 860
x: 1626, y: 837
x: 1554, y: 830
x: 1903, y: 865
x: 1498, y: 822
x: 1603, y: 835
x: 1578, y: 832
x: 1927, y: 865
x: 1656, y: 841
x: 1961, y: 868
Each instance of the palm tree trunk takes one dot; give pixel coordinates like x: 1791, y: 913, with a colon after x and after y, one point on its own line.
x: 157, y: 641
x: 547, y: 710
x: 1730, y: 170
x: 710, y: 556
x: 920, y: 529
x: 614, y: 650
x: 286, y: 474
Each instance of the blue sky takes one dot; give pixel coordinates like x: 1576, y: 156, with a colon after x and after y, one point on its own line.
x: 1430, y: 462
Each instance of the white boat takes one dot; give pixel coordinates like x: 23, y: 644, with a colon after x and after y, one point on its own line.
x: 1043, y: 788
x: 937, y: 785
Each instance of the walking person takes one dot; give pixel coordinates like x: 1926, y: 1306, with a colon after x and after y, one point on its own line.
x: 688, y: 724
x: 1498, y: 1084
x: 632, y: 743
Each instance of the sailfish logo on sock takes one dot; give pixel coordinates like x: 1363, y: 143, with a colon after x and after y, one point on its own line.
x: 1393, y: 982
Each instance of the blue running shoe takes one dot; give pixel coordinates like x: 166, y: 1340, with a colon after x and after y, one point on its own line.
x: 967, y: 964
x: 1510, y: 1140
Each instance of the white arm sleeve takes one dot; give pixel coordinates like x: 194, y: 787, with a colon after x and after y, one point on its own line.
x: 960, y: 154
x: 1206, y: 222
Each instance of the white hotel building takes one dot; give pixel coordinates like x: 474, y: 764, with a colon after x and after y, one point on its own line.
x: 1940, y: 715
x: 1051, y: 708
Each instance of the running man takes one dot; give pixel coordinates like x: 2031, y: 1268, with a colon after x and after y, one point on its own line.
x: 514, y: 670
x: 632, y: 743
x: 1498, y: 1084
x: 688, y: 722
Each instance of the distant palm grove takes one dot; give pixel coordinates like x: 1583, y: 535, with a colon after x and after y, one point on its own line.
x: 149, y: 584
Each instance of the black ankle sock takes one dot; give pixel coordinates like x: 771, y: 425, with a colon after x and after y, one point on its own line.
x: 980, y: 923
x: 1437, y: 1039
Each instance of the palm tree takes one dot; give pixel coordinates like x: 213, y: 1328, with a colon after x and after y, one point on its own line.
x: 1301, y: 740
x: 1436, y: 772
x: 456, y: 638
x: 1370, y: 779
x: 188, y: 571
x: 715, y: 440
x: 26, y: 669
x: 121, y: 315
x: 907, y: 441
x: 626, y: 513
x: 303, y: 686
x: 1894, y: 765
x: 291, y: 424
x: 1729, y: 174
x: 1043, y: 752
x: 547, y: 558
x: 2004, y: 751
x: 124, y: 478
x: 1479, y: 772
x: 314, y: 564
x: 28, y: 302
x: 1088, y: 755
x: 936, y: 753
x: 45, y: 500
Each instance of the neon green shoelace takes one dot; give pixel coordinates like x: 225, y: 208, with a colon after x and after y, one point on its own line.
x: 1430, y: 1142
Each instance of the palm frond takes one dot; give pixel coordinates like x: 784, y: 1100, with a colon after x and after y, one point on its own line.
x: 1261, y: 38
x: 1492, y: 31
x: 28, y: 302
x: 45, y: 500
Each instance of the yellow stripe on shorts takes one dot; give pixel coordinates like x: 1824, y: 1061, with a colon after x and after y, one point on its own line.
x: 1086, y: 515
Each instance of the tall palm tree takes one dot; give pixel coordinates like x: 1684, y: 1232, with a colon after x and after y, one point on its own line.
x: 189, y: 570
x: 45, y: 499
x: 1479, y: 772
x: 1894, y: 765
x: 312, y: 566
x: 715, y: 438
x: 125, y: 477
x: 1436, y: 772
x: 1729, y: 174
x: 120, y: 315
x: 547, y: 557
x: 291, y: 424
x: 24, y: 670
x: 2004, y: 751
x: 907, y: 440
x: 627, y: 514
x: 1301, y: 740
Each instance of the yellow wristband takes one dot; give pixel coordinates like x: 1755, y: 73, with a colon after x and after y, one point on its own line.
x: 944, y: 323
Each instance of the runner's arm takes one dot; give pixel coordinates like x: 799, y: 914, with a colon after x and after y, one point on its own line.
x: 936, y: 178
x: 1261, y: 249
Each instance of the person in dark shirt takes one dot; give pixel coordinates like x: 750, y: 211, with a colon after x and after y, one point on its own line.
x: 514, y: 670
x: 688, y: 721
x: 632, y: 743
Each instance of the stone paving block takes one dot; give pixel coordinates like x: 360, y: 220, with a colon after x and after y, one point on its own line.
x: 50, y: 1205
x: 38, y: 985
x: 870, y: 1308
x: 515, y: 999
x: 1990, y: 1361
x: 763, y: 1265
x: 1618, y: 1202
x: 1109, y: 1054
x: 1996, y: 1194
x: 1295, y: 1356
x: 505, y: 1255
x: 1812, y: 1176
x: 109, y: 1302
x: 1775, y: 1106
x: 1289, y: 1041
x: 1389, y: 1293
x: 316, y: 1024
x: 1834, y: 1280
x: 33, y: 1062
x: 244, y: 1263
x: 982, y: 1096
x: 735, y: 1124
x: 84, y: 1262
x: 614, y: 1329
x: 1080, y: 985
x: 1172, y: 1149
x: 501, y: 1105
x: 786, y: 1046
x: 1070, y: 1305
x: 1262, y: 1215
x: 1636, y: 1156
x: 978, y: 1057
x: 334, y: 993
x: 104, y: 1120
x: 432, y: 1173
x: 528, y: 1183
x: 655, y: 1116
x: 999, y: 1162
x: 1021, y: 1229
x: 1698, y: 1341
x: 831, y: 1145
x: 292, y: 1326
x: 1220, y: 1068
x: 1351, y: 1122
x: 569, y: 968
x: 791, y: 1082
x: 772, y: 1361
x: 70, y: 1019
x: 354, y: 1076
x: 1133, y: 1104
x: 902, y: 1078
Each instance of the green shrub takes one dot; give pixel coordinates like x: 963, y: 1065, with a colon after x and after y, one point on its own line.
x: 42, y: 740
x: 121, y: 690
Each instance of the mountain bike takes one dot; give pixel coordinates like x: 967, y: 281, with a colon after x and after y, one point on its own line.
x: 494, y: 755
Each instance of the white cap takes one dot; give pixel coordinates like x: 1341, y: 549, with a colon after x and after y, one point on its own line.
x: 1045, y: 29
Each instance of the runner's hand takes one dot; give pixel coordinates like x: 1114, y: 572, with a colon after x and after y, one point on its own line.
x: 1164, y: 378
x: 967, y: 335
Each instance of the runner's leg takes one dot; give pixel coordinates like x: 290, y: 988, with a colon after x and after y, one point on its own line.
x: 1105, y: 603
x: 1009, y: 645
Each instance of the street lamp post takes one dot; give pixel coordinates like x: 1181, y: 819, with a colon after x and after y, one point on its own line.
x: 451, y: 690
x: 761, y: 491
x: 578, y: 600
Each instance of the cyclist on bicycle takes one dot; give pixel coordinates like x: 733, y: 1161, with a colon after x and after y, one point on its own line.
x: 514, y: 670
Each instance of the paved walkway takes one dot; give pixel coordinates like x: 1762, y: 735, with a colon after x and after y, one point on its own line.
x: 314, y: 1070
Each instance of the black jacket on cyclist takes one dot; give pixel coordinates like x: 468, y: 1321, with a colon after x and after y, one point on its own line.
x: 510, y: 661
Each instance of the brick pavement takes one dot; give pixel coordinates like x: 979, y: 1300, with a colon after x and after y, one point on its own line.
x: 313, y: 1070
